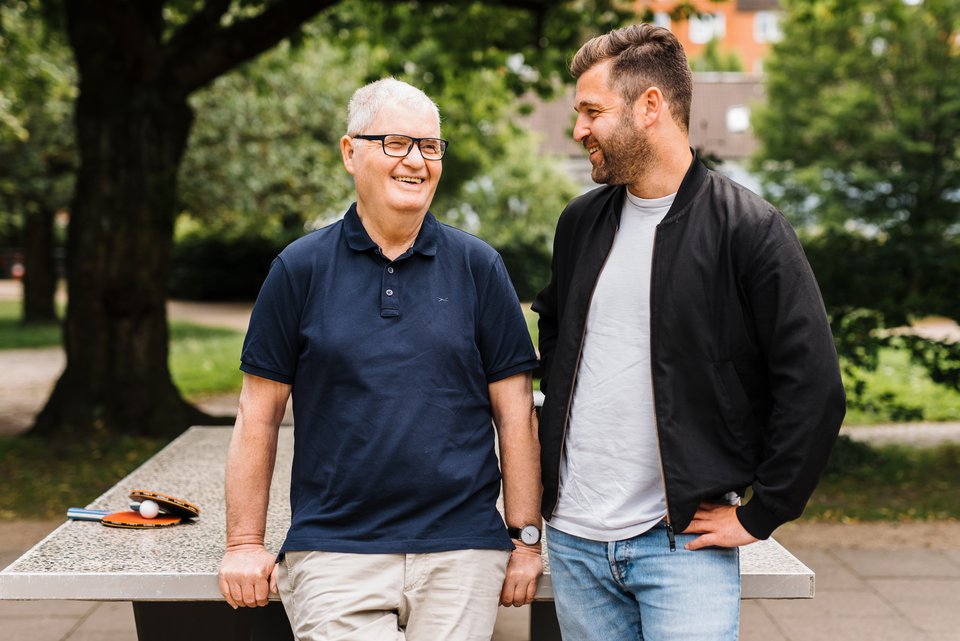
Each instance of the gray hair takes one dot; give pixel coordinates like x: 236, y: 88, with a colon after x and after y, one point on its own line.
x: 367, y: 101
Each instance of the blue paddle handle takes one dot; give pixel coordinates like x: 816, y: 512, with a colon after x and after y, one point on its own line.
x: 83, y: 514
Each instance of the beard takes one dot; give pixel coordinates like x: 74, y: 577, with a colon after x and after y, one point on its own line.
x: 627, y: 154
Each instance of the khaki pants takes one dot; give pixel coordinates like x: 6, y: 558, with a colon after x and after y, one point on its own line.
x: 440, y: 596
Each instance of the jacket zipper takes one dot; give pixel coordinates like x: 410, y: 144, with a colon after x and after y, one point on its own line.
x: 653, y: 392
x: 576, y: 370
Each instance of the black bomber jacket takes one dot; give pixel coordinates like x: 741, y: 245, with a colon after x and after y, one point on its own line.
x: 746, y: 383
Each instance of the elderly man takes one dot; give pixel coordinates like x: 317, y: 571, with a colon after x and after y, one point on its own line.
x: 399, y: 339
x: 687, y: 356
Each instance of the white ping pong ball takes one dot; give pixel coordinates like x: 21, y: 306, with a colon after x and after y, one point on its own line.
x: 149, y: 509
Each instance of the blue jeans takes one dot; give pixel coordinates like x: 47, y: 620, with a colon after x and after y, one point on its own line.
x: 638, y: 589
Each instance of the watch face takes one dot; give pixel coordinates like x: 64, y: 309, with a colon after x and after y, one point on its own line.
x: 530, y: 535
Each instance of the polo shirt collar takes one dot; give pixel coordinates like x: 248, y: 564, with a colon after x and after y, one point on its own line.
x: 359, y: 240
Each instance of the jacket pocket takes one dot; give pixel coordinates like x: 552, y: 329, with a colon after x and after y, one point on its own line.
x: 735, y: 409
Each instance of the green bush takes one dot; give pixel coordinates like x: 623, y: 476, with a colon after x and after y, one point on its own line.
x: 528, y: 264
x: 849, y: 455
x: 212, y: 267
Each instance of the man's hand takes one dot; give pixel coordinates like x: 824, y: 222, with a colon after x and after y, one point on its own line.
x: 520, y: 583
x: 719, y: 526
x: 248, y: 574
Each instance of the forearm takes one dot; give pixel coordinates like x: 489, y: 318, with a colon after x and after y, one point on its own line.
x: 250, y: 462
x: 803, y: 378
x: 516, y: 423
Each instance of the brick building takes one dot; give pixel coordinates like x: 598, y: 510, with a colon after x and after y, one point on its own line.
x: 722, y: 101
x: 745, y: 28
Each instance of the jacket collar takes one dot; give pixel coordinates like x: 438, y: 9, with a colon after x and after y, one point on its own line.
x: 359, y: 240
x: 696, y: 174
x: 689, y: 186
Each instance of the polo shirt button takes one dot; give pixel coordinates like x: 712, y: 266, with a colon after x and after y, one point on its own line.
x: 389, y: 292
x: 389, y: 270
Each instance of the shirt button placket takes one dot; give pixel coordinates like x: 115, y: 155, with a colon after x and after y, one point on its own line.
x: 389, y: 300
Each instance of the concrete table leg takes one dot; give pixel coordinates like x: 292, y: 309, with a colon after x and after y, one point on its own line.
x: 209, y: 621
x: 543, y: 622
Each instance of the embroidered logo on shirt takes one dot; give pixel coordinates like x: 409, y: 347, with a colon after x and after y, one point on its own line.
x: 443, y: 300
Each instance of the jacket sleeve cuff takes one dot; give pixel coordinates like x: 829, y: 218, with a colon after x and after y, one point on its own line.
x: 757, y: 520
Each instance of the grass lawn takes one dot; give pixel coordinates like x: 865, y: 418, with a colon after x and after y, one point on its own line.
x: 44, y: 478
x: 13, y: 335
x: 890, y: 483
x: 205, y: 360
x: 897, y: 381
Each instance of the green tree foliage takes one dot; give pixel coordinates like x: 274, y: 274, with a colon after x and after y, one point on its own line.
x: 860, y: 144
x: 37, y: 156
x: 138, y: 63
x: 714, y: 59
x: 514, y: 206
x: 863, y: 114
x: 263, y: 161
x: 264, y: 153
x: 262, y: 165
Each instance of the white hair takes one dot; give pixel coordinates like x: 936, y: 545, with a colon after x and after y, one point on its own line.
x: 367, y: 101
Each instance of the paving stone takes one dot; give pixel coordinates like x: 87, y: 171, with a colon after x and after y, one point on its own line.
x: 757, y: 625
x: 953, y: 555
x: 932, y: 605
x: 901, y: 563
x: 849, y: 629
x: 830, y: 574
x: 832, y: 605
x: 109, y: 622
x: 37, y: 628
x: 45, y: 608
x: 513, y: 624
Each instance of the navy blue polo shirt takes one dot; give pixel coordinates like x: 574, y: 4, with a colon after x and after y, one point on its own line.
x: 390, y: 363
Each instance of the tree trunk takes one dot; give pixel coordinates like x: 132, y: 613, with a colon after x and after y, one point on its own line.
x: 132, y: 122
x: 132, y: 126
x: 117, y: 379
x: 40, y: 277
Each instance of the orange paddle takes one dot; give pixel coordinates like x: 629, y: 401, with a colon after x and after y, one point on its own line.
x: 130, y: 519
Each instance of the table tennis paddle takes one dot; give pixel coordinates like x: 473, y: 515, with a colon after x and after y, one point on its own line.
x: 133, y: 520
x: 168, y: 504
x: 87, y: 514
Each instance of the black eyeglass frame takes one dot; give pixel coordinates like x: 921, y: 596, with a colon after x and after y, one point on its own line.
x: 413, y: 141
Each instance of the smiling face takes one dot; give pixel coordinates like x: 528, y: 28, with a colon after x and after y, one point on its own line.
x: 619, y: 147
x: 386, y: 184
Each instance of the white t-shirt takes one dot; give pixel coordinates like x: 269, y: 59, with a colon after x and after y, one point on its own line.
x: 611, y: 480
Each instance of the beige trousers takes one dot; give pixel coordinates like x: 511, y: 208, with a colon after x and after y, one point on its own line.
x: 440, y: 596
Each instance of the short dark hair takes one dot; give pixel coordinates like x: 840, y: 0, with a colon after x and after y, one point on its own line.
x: 643, y: 56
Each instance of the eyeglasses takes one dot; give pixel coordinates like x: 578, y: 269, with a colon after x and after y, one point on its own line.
x: 400, y: 146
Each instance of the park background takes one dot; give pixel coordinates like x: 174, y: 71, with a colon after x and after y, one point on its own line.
x: 155, y: 156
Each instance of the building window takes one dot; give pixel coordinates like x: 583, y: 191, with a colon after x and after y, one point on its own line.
x: 738, y: 119
x: 706, y: 27
x: 662, y: 19
x: 766, y: 26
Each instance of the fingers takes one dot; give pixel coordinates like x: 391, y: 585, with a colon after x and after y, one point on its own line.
x: 273, y: 579
x: 226, y: 592
x: 520, y: 584
x: 516, y: 594
x: 531, y: 592
x: 246, y: 580
x: 261, y: 591
x: 701, y: 542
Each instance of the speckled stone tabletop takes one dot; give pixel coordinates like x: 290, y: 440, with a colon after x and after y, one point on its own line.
x: 87, y: 561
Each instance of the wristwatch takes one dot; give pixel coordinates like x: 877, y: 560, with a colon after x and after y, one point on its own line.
x: 528, y: 534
